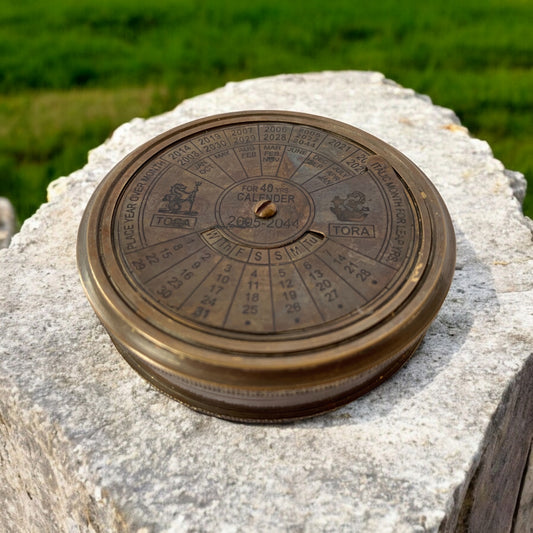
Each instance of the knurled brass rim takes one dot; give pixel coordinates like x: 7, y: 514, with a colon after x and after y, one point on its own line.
x: 266, y: 265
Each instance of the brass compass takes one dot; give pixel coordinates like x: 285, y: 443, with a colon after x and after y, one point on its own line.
x: 265, y: 265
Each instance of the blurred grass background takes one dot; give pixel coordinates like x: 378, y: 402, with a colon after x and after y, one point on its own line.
x: 73, y: 70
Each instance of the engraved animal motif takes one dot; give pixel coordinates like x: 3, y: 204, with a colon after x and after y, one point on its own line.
x: 351, y: 208
x: 178, y: 197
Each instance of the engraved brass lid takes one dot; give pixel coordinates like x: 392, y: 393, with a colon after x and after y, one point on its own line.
x: 266, y: 265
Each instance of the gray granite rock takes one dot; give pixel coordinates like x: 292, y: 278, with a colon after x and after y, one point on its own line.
x: 8, y: 222
x: 524, y: 513
x: 87, y: 445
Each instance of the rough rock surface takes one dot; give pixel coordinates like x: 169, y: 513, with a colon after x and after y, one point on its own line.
x: 8, y: 222
x: 87, y: 445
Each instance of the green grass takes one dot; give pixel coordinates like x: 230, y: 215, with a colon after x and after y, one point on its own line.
x: 73, y: 70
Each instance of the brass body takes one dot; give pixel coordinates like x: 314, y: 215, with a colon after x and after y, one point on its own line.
x: 266, y: 266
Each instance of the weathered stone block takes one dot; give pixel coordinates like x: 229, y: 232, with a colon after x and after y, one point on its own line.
x: 87, y: 445
x: 8, y: 222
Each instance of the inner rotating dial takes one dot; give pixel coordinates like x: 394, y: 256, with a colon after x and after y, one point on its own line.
x: 264, y: 212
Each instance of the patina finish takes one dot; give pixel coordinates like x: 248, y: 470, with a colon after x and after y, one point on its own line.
x: 266, y: 266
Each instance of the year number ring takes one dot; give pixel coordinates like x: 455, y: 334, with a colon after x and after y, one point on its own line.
x: 266, y: 266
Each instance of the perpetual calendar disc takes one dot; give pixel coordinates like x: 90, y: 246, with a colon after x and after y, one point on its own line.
x: 266, y: 266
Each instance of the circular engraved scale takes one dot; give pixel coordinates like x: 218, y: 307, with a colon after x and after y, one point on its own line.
x: 266, y: 266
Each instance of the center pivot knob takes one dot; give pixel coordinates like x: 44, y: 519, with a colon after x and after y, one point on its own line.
x: 265, y: 209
